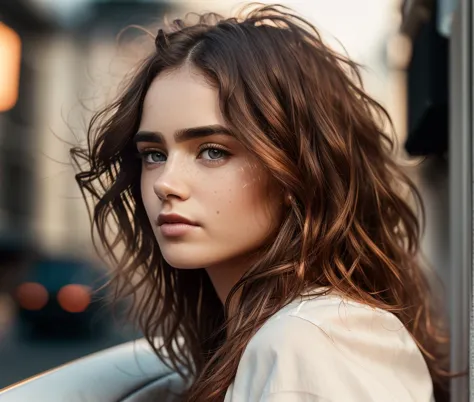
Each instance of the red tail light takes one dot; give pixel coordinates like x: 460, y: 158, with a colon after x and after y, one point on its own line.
x: 32, y: 296
x: 74, y: 298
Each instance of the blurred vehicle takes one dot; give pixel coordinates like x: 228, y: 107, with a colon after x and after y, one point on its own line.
x: 129, y: 372
x: 62, y: 296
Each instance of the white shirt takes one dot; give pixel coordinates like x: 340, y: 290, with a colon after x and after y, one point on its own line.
x: 326, y: 349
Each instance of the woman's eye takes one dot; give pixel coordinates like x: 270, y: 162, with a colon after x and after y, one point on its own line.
x: 152, y: 157
x: 213, y: 154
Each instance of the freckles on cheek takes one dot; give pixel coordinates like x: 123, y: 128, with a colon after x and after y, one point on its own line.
x: 242, y: 190
x: 252, y: 183
x: 223, y: 200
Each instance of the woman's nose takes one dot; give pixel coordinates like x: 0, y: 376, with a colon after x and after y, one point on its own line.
x: 172, y: 182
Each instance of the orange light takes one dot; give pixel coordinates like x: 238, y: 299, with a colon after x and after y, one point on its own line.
x: 32, y: 296
x: 74, y: 298
x: 10, y: 58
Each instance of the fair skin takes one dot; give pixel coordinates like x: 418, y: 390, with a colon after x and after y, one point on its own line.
x: 204, y: 176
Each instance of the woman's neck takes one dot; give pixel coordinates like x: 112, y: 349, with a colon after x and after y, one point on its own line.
x: 224, y: 278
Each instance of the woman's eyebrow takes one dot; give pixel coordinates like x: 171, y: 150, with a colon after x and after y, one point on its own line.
x: 149, y: 136
x: 187, y: 134
x: 182, y: 135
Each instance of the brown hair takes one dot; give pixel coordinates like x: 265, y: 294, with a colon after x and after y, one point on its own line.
x: 300, y: 108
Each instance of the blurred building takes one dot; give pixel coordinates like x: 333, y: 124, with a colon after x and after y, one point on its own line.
x: 440, y: 95
x: 59, y: 61
x: 70, y: 63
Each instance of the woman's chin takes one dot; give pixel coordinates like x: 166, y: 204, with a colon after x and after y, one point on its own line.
x: 181, y: 261
x: 183, y: 266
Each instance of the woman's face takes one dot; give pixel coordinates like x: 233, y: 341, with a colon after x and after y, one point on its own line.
x: 209, y: 201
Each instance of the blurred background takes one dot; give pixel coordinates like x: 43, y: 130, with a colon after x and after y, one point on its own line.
x: 61, y: 60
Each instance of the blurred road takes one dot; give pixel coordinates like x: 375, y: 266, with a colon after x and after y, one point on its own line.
x: 21, y: 358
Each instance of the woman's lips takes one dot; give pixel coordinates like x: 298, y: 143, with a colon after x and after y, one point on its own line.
x: 176, y: 229
x: 174, y: 225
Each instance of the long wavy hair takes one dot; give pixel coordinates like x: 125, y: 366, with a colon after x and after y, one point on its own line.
x: 300, y: 108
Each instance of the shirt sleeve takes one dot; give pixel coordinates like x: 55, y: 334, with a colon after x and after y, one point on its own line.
x: 364, y: 359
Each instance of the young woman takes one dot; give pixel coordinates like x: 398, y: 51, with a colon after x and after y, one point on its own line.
x: 264, y: 217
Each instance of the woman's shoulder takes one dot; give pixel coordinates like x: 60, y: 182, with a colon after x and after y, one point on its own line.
x: 336, y: 318
x: 336, y: 349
